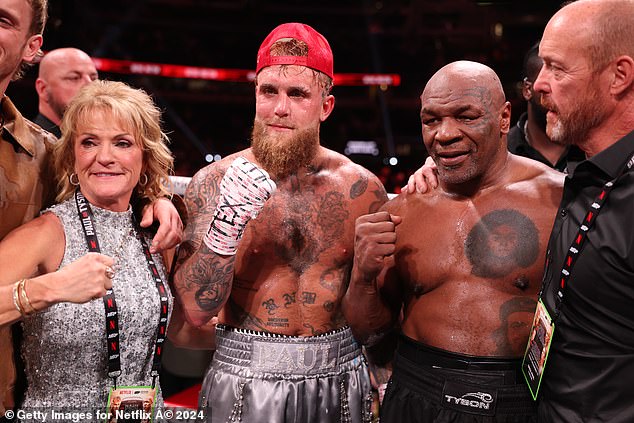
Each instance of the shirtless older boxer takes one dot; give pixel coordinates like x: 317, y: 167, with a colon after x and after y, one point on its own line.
x: 460, y: 267
x: 284, y: 351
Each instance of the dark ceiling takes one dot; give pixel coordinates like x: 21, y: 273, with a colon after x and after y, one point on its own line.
x: 412, y: 38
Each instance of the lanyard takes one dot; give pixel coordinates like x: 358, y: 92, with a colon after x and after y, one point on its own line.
x: 110, y: 304
x: 575, y: 248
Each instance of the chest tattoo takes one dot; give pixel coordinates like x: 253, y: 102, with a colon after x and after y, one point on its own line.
x: 500, y: 242
x: 308, y: 226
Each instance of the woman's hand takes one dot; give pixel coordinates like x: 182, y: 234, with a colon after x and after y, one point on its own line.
x: 83, y: 280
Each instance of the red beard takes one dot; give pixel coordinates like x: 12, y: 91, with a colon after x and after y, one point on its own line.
x: 283, y: 156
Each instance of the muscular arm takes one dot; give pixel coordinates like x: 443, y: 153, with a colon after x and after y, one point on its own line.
x: 202, y: 278
x: 184, y: 335
x: 372, y: 303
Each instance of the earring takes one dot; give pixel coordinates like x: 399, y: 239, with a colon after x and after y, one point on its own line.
x: 70, y: 178
x: 144, y: 183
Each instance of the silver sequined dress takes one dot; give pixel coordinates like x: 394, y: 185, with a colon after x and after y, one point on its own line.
x: 64, y: 347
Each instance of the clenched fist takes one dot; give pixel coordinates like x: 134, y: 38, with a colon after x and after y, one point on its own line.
x: 375, y: 239
x: 84, y: 279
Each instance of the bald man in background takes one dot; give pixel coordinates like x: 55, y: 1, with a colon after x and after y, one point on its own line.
x: 63, y: 72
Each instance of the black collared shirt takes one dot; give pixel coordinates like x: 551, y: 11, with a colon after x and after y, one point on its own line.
x: 46, y: 124
x: 517, y: 144
x: 589, y: 374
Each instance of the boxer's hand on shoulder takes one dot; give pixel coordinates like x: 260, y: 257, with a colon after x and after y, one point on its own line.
x: 375, y: 239
x: 424, y: 179
x: 170, y: 230
x: 244, y: 189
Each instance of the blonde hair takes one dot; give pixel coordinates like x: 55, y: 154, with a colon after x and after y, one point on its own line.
x: 134, y: 110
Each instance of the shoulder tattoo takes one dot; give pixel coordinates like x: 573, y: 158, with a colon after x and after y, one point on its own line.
x: 358, y: 188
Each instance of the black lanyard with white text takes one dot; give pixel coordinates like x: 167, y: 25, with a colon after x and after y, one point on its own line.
x: 112, y: 316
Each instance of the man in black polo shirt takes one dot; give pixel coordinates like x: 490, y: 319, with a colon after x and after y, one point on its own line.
x: 587, y: 86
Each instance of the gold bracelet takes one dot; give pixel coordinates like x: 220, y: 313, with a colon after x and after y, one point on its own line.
x: 27, y: 306
x: 16, y: 298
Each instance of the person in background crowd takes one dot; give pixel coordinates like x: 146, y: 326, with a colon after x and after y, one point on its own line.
x: 62, y: 73
x: 284, y: 350
x: 528, y: 137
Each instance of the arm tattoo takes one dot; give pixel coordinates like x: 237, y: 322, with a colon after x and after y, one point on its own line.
x: 203, y: 188
x: 500, y: 242
x: 185, y: 251
x: 380, y: 198
x: 209, y: 276
x: 212, y: 293
x: 245, y: 319
x: 358, y: 188
x: 199, y: 199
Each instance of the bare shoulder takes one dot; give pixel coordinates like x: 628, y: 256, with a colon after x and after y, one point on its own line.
x: 359, y: 183
x: 203, y: 186
x: 43, y: 229
x: 533, y: 172
x: 44, y: 239
x: 415, y: 201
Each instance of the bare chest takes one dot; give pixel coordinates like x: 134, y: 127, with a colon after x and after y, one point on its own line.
x: 500, y: 244
x: 301, y: 229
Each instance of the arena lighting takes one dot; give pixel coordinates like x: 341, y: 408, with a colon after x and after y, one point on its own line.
x: 361, y: 147
x: 129, y: 67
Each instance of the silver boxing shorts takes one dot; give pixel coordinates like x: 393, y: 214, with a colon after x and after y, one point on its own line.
x: 264, y: 377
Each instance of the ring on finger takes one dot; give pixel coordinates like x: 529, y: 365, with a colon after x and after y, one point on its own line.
x: 109, y: 272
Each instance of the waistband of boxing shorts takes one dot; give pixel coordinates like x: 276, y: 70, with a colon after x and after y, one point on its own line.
x: 461, y: 381
x: 271, y: 353
x: 427, y: 355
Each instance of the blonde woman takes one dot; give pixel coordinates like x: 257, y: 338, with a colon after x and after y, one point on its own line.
x: 97, y: 323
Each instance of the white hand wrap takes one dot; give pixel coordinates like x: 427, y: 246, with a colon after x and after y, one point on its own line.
x: 243, y: 191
